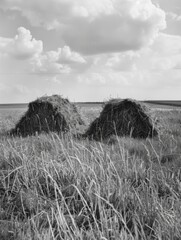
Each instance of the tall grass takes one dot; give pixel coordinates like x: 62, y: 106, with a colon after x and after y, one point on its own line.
x: 58, y: 187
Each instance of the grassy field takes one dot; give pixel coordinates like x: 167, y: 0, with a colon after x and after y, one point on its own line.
x: 58, y: 187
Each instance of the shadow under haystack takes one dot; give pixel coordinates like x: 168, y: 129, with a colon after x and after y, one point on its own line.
x: 122, y: 118
x: 49, y: 114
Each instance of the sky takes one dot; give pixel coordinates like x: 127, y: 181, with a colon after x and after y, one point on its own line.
x: 90, y: 50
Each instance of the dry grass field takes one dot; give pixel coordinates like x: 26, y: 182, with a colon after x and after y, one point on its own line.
x: 58, y: 187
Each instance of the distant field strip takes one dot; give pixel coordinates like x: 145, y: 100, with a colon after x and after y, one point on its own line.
x: 161, y: 104
x: 165, y: 103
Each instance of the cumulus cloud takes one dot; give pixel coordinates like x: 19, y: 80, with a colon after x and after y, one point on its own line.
x: 173, y: 16
x: 65, y: 55
x: 123, y: 62
x: 91, y: 26
x: 22, y: 46
x: 155, y: 66
x: 167, y: 44
x: 173, y: 6
x: 46, y: 64
x: 54, y: 62
x: 163, y: 54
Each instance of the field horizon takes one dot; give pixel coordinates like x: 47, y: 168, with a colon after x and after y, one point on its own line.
x: 176, y: 103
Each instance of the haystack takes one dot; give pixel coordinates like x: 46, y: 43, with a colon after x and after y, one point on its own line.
x: 123, y: 118
x: 49, y: 113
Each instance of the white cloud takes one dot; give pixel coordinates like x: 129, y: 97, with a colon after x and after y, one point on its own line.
x: 3, y: 43
x: 172, y: 9
x: 111, y: 46
x: 65, y: 55
x: 152, y: 67
x: 93, y: 78
x: 163, y: 54
x: 92, y: 26
x: 55, y: 62
x: 167, y: 44
x: 22, y: 46
x: 46, y: 64
x: 173, y: 16
x: 169, y: 6
x: 115, y: 79
x: 123, y: 61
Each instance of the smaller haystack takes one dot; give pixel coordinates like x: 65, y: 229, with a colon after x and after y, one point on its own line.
x: 49, y: 113
x: 122, y: 118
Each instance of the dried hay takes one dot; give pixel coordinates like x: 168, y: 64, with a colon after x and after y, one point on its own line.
x: 49, y: 113
x: 122, y: 118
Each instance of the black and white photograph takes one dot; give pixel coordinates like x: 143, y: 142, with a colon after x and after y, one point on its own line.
x: 90, y: 119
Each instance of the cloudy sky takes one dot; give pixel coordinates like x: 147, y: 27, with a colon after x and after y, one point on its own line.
x: 90, y: 50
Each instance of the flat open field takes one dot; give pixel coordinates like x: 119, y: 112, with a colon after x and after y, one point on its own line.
x: 165, y: 103
x: 60, y: 187
x: 154, y: 104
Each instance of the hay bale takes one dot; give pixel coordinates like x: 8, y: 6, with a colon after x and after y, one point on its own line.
x: 49, y: 113
x: 122, y: 118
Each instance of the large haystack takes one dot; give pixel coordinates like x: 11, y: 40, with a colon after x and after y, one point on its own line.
x: 49, y: 113
x: 123, y: 118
